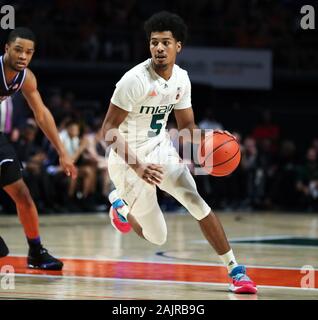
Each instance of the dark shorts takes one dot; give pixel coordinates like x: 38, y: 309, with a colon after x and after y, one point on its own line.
x: 10, y: 166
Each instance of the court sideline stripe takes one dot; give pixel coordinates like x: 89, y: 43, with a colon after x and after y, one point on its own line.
x: 159, y: 271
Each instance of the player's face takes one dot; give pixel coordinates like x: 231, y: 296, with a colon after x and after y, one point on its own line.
x: 164, y: 48
x: 19, y: 53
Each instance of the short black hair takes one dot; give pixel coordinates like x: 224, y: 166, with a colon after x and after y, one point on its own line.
x: 167, y: 21
x: 21, y: 32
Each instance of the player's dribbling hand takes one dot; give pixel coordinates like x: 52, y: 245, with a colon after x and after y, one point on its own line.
x: 151, y: 173
x: 68, y: 166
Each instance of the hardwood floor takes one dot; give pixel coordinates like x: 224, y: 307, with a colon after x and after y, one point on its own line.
x: 279, y: 250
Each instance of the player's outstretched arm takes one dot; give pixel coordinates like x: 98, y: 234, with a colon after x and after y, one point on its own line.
x: 151, y: 173
x: 45, y: 121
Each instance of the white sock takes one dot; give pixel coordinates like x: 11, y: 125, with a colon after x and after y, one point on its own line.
x: 113, y: 196
x: 229, y: 260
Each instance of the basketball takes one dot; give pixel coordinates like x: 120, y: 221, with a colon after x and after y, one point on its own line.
x: 219, y: 154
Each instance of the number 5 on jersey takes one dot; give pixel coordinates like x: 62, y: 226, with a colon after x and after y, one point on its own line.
x: 156, y: 124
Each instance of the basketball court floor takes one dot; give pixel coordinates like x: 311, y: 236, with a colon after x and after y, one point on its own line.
x: 279, y: 250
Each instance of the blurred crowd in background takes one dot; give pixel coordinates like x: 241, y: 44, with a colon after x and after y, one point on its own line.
x: 279, y: 166
x: 106, y: 30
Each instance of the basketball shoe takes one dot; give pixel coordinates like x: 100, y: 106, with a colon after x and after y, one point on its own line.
x: 241, y: 283
x: 4, y: 251
x: 39, y: 258
x: 117, y: 209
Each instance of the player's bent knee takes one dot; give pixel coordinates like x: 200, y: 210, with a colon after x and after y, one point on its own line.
x: 199, y: 210
x: 193, y: 202
x: 157, y: 239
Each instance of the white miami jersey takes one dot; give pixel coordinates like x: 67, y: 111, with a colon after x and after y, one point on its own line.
x: 149, y: 99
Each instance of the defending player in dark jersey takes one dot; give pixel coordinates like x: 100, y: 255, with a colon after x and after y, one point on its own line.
x: 14, y: 76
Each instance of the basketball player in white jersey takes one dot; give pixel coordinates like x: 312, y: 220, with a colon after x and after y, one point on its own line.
x: 142, y: 156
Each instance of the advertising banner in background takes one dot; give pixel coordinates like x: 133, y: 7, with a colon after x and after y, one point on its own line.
x: 228, y: 68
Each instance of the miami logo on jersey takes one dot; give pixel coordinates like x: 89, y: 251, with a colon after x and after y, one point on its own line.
x: 156, y: 109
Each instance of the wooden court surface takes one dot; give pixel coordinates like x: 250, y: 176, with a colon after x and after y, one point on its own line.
x: 279, y: 250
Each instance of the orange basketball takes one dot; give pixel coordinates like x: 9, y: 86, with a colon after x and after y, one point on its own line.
x: 219, y: 154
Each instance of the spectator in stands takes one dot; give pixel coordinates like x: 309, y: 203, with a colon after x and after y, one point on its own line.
x: 83, y: 187
x: 314, y: 144
x: 62, y: 106
x: 307, y: 181
x: 97, y: 152
x: 283, y: 193
x: 267, y: 129
x: 267, y: 161
x: 252, y: 173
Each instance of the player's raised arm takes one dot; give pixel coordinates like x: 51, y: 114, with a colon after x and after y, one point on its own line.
x: 46, y: 122
x: 151, y: 173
